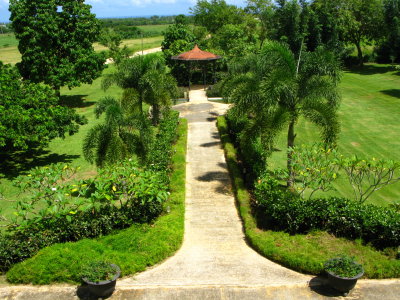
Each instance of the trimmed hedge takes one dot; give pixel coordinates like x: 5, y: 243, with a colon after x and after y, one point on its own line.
x: 146, y: 191
x: 280, y: 210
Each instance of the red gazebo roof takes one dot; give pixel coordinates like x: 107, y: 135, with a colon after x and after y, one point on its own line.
x: 196, y: 54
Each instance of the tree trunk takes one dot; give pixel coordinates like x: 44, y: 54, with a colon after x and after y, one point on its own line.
x: 57, y: 91
x: 156, y: 114
x: 360, y: 55
x: 290, y: 144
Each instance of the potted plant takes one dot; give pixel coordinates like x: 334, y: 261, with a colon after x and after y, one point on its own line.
x: 101, y: 277
x: 343, y: 273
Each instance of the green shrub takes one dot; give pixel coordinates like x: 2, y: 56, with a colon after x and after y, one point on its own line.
x: 117, y: 197
x: 250, y: 149
x: 120, y: 195
x: 132, y: 249
x: 159, y: 155
x: 215, y: 90
x: 342, y: 217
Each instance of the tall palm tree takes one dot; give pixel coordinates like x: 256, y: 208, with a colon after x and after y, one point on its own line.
x: 274, y: 88
x: 148, y: 77
x: 124, y: 132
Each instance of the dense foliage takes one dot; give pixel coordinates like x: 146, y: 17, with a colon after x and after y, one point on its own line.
x: 274, y: 88
x: 55, y: 41
x: 30, y: 116
x: 61, y: 210
x: 145, y: 79
x: 280, y: 209
x: 133, y: 249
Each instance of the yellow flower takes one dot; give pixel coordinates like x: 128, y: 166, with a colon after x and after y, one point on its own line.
x: 114, y: 188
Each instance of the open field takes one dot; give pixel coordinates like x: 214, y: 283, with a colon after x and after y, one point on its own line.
x: 8, y: 40
x: 136, y: 44
x: 369, y: 116
x: 154, y: 28
x: 10, y: 55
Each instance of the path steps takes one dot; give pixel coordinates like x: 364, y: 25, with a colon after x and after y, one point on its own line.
x: 214, y: 261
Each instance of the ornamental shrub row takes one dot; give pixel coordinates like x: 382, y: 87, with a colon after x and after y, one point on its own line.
x: 278, y: 209
x: 117, y: 197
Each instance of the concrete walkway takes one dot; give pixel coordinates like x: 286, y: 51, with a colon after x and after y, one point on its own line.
x: 214, y: 251
x: 214, y: 262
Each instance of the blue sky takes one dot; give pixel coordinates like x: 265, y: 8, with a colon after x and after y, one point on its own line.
x: 127, y: 8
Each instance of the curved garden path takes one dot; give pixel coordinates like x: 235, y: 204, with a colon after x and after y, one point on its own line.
x: 214, y: 261
x: 214, y: 251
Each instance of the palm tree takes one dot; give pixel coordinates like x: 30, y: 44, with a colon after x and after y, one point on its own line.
x: 148, y: 77
x: 124, y: 132
x: 274, y: 89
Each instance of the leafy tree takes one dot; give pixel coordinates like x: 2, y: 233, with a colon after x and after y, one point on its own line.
x: 112, y: 40
x: 176, y: 32
x: 181, y: 19
x: 29, y: 114
x: 124, y: 132
x: 288, y: 24
x: 215, y: 14
x: 146, y: 79
x: 55, y: 41
x: 324, y: 25
x: 273, y: 89
x: 264, y: 10
x: 389, y: 50
x: 234, y: 40
x: 361, y: 21
x: 178, y: 38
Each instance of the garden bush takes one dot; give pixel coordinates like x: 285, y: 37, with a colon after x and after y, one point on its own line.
x: 250, y: 150
x: 120, y: 195
x: 278, y: 209
x: 301, y: 252
x: 133, y: 249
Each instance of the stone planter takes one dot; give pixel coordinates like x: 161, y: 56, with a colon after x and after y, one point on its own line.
x: 103, y: 288
x: 341, y: 284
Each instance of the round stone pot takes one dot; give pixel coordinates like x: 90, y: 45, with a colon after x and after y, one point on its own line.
x: 104, y: 288
x: 341, y: 284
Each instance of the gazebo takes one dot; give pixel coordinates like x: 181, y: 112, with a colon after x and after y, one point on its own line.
x: 197, y: 55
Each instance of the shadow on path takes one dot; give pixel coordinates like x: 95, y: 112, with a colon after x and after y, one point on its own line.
x: 319, y: 286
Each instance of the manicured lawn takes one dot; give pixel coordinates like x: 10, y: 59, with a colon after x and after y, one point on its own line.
x: 132, y: 249
x: 68, y: 150
x: 369, y: 115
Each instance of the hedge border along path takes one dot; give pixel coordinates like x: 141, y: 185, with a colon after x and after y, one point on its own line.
x: 303, y: 253
x: 133, y: 249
